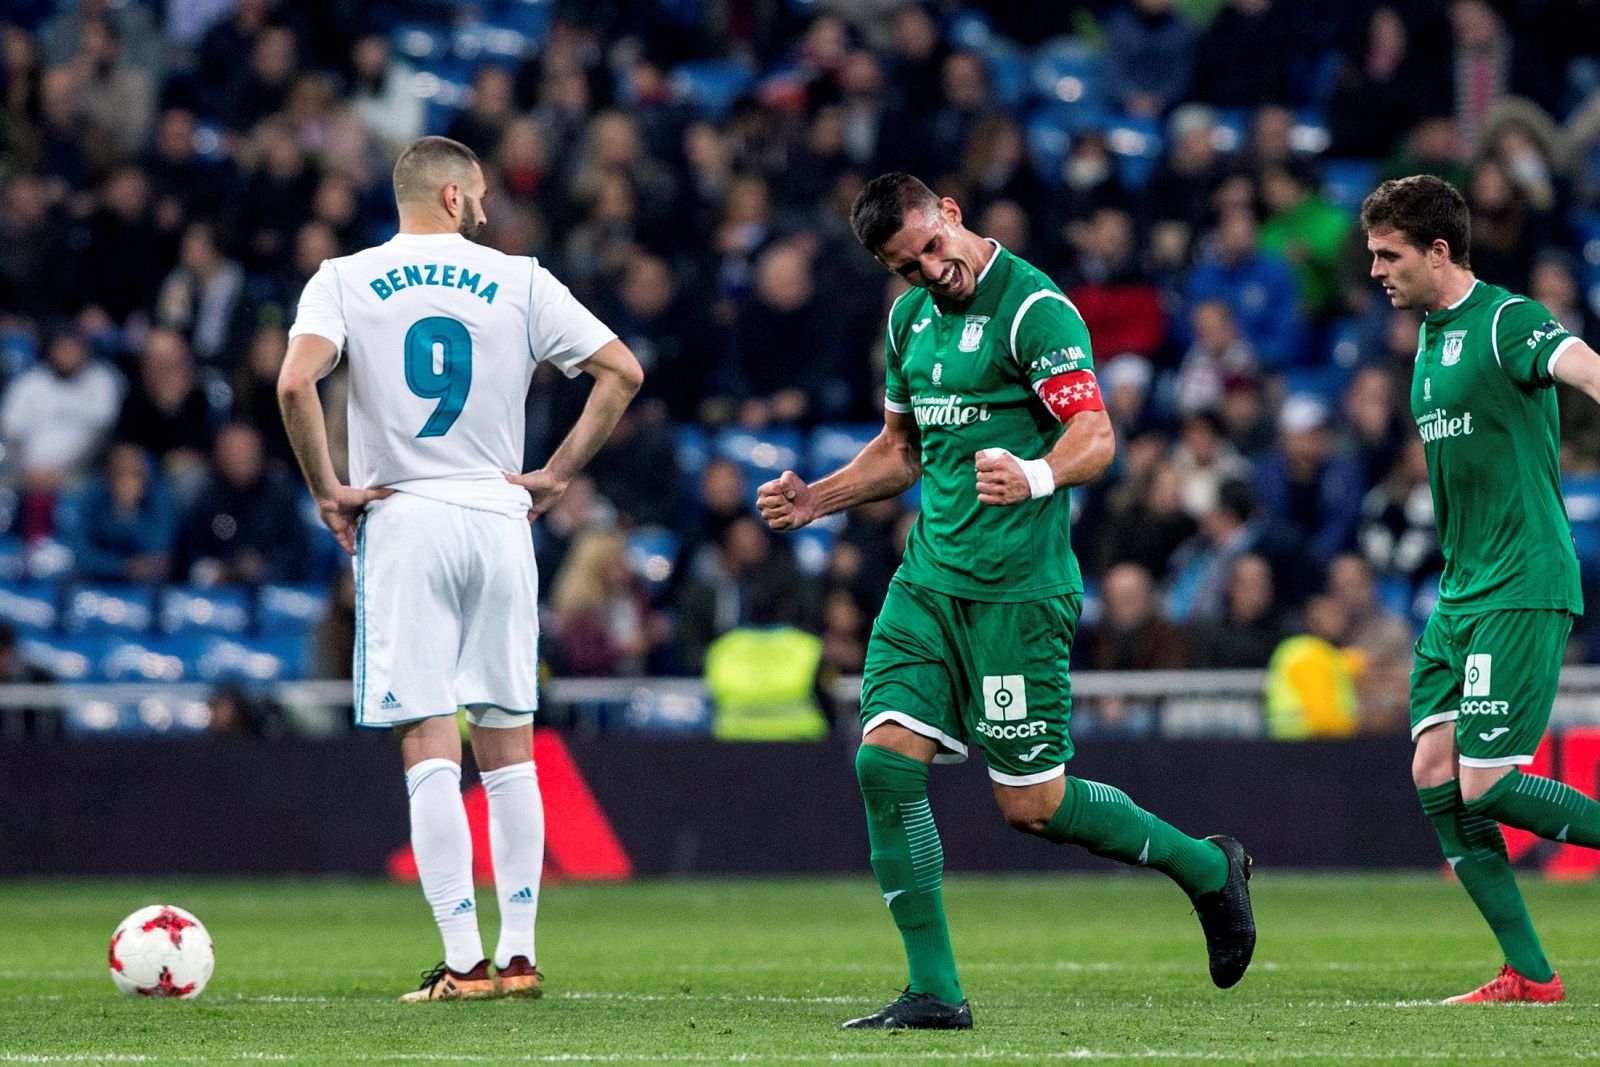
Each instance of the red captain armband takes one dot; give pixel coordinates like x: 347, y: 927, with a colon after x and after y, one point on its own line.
x: 1067, y: 394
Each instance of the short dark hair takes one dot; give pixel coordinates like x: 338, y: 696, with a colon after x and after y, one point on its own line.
x: 1423, y: 208
x: 424, y: 162
x: 883, y: 205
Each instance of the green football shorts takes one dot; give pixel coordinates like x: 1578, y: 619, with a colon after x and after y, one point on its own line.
x: 1494, y: 675
x: 957, y: 671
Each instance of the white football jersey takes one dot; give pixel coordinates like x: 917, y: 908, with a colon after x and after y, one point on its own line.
x: 442, y: 336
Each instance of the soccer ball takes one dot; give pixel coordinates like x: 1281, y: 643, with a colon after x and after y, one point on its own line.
x: 161, y: 951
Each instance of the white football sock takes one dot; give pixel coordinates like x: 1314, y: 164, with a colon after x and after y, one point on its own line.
x: 443, y: 847
x: 516, y: 840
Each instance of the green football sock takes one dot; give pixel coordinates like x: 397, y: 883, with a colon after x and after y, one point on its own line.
x: 909, y: 863
x: 1542, y: 806
x: 1476, y: 851
x: 1103, y: 820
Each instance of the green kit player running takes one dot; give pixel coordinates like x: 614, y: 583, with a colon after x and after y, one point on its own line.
x: 992, y: 399
x: 1488, y: 659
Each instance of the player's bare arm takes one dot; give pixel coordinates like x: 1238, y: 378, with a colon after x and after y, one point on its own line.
x: 310, y: 358
x: 617, y: 378
x: 888, y: 466
x: 1578, y: 365
x: 1081, y: 454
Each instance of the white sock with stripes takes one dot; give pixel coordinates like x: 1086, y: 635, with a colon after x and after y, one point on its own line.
x: 516, y: 840
x: 443, y: 847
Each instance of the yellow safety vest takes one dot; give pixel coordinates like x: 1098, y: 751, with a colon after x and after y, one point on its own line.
x: 762, y: 683
x: 1311, y: 690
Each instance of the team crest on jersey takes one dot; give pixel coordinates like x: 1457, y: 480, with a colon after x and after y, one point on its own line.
x: 938, y: 373
x: 972, y: 332
x: 1453, y: 340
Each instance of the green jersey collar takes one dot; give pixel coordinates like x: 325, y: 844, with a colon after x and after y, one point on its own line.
x: 1446, y: 314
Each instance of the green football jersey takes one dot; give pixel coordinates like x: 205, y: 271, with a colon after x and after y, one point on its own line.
x: 967, y: 376
x: 1482, y: 400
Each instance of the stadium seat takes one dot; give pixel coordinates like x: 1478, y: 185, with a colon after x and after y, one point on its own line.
x: 156, y: 659
x: 290, y: 610
x: 67, y: 659
x: 422, y: 45
x: 1050, y: 129
x: 1394, y: 594
x: 109, y: 609
x: 480, y: 42
x: 30, y: 607
x: 694, y: 451
x: 711, y: 86
x: 154, y: 715
x: 832, y: 446
x: 970, y: 29
x: 1346, y: 182
x: 1423, y: 600
x: 652, y: 551
x: 1135, y: 142
x: 13, y: 557
x: 265, y: 659
x: 1010, y: 75
x: 812, y: 546
x: 187, y: 608
x: 1582, y: 495
x: 1068, y: 72
x: 1093, y: 606
x: 657, y: 712
x: 763, y: 454
x: 18, y: 351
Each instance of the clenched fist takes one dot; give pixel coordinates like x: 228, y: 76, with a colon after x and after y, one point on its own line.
x: 785, y: 502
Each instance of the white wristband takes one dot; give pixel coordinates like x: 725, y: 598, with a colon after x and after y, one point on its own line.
x: 1041, y: 479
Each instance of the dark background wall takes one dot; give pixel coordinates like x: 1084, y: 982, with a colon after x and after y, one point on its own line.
x: 210, y: 806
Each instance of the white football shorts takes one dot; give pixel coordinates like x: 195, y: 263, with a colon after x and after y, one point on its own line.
x: 447, y: 614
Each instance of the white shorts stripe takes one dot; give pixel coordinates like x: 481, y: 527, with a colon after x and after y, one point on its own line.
x: 1027, y: 779
x: 957, y: 752
x: 1433, y: 720
x: 1497, y: 761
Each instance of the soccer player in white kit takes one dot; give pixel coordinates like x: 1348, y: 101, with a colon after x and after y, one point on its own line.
x: 442, y: 336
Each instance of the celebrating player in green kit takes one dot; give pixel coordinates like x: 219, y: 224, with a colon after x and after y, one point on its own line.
x: 992, y: 399
x: 1488, y: 659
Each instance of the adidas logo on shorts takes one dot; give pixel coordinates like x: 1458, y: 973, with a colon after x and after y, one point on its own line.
x: 390, y: 703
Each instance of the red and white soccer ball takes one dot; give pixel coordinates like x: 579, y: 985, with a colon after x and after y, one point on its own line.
x: 161, y: 951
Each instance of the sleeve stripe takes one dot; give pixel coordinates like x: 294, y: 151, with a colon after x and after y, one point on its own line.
x: 1016, y: 320
x: 1494, y: 329
x: 1550, y: 368
x: 895, y: 406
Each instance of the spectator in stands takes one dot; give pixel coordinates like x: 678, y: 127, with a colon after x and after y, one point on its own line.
x: 786, y: 354
x: 261, y: 87
x: 864, y: 112
x: 1146, y: 522
x: 1089, y: 180
x: 1525, y: 140
x: 333, y: 641
x: 666, y: 330
x: 119, y: 97
x: 579, y: 511
x: 645, y: 494
x: 1178, y: 197
x: 602, y: 620
x: 1216, y: 354
x: 1132, y: 634
x: 864, y: 558
x: 280, y: 185
x: 39, y: 723
x: 1507, y: 231
x: 1554, y: 283
x: 227, y: 46
x: 1008, y: 223
x: 522, y: 163
x: 64, y: 139
x: 120, y: 524
x: 752, y: 579
x: 845, y: 627
x: 1118, y: 301
x: 1382, y: 91
x: 1396, y: 530
x: 1432, y: 147
x: 1256, y: 285
x: 380, y: 92
x: 245, y: 526
x: 1382, y: 638
x: 1125, y: 383
x: 1244, y: 416
x: 1305, y: 231
x: 1488, y: 63
x: 335, y: 205
x: 1311, y: 678
x: 1205, y: 461
x: 37, y: 276
x: 65, y: 36
x: 126, y: 253
x: 1250, y: 629
x: 166, y: 414
x: 1150, y: 57
x: 917, y: 54
x: 1243, y: 56
x: 1373, y: 430
x: 1200, y: 571
x: 1309, y: 487
x: 255, y: 392
x: 204, y: 299
x: 613, y: 147
x: 964, y: 99
x: 996, y: 166
x: 185, y: 185
x: 53, y: 418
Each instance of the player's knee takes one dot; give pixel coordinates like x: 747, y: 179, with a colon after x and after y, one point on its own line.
x: 1025, y: 811
x: 1434, y: 760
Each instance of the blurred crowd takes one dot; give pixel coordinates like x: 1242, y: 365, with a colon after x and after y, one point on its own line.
x: 173, y: 172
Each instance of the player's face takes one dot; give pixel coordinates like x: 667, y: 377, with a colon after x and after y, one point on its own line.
x: 930, y: 251
x: 1404, y: 270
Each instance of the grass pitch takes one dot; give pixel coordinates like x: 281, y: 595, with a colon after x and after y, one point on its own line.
x: 1064, y: 969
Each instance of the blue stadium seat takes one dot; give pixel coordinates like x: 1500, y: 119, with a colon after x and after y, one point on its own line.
x: 30, y: 607
x: 1050, y: 130
x: 1135, y: 142
x: 1010, y: 75
x: 290, y: 610
x: 694, y: 451
x: 422, y: 45
x: 1068, y: 72
x: 265, y: 659
x: 1394, y: 594
x: 812, y: 546
x: 763, y: 454
x: 1582, y: 495
x: 1348, y: 181
x: 152, y: 716
x: 110, y: 609
x: 1093, y: 606
x: 529, y: 17
x: 652, y: 551
x: 1233, y: 129
x: 711, y: 86
x: 190, y: 608
x: 157, y: 659
x: 480, y: 42
x: 68, y: 659
x: 18, y: 351
x: 970, y: 29
x: 832, y: 446
x: 1423, y: 600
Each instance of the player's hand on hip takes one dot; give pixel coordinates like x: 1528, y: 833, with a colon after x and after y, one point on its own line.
x: 543, y: 486
x: 1000, y: 478
x: 786, y: 502
x: 342, y: 511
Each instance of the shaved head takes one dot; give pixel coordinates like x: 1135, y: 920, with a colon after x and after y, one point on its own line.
x: 430, y: 164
